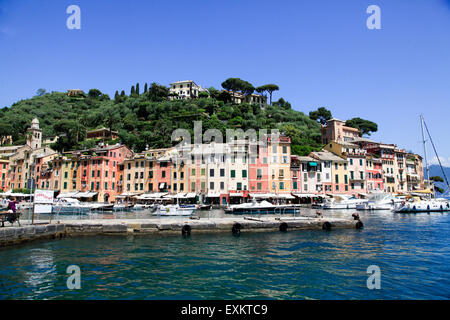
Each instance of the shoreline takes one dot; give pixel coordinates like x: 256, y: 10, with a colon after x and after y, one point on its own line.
x: 13, y: 235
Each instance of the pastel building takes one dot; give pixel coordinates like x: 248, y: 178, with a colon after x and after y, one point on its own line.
x: 95, y: 170
x: 259, y: 169
x: 279, y: 154
x: 336, y: 130
x: 356, y: 161
x: 329, y: 161
x: 374, y: 173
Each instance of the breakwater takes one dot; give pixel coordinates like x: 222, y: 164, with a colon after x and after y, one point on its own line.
x: 11, y: 235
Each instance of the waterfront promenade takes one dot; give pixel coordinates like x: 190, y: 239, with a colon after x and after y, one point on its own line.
x: 10, y: 235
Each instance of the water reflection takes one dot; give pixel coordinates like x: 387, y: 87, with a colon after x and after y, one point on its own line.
x: 411, y: 251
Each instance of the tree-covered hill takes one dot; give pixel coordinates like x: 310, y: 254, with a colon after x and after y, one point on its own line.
x: 149, y: 118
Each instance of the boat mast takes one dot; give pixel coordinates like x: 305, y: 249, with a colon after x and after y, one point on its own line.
x: 427, y: 170
x: 437, y: 156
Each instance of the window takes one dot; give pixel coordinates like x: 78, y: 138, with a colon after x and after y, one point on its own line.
x: 150, y: 186
x: 258, y: 173
x: 192, y: 186
x: 336, y: 166
x: 281, y: 185
x: 284, y: 149
x: 360, y: 162
x: 222, y: 172
x: 244, y: 173
x: 336, y: 178
x: 259, y: 186
x: 211, y: 185
x: 211, y: 172
x: 65, y: 185
x: 203, y: 171
x: 362, y: 175
x: 150, y: 174
x: 106, y: 185
x: 346, y: 179
x: 222, y: 185
x: 163, y: 174
x: 239, y: 186
x: 233, y: 173
x: 351, y: 161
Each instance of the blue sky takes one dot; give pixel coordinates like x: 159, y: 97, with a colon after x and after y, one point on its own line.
x: 319, y: 52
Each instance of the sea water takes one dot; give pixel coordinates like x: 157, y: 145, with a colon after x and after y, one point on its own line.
x: 411, y: 251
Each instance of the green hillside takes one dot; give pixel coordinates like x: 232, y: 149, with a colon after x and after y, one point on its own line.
x: 149, y: 118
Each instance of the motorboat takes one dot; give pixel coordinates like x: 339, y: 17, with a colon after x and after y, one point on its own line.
x: 98, y: 206
x: 173, y: 210
x: 263, y: 207
x: 123, y: 206
x: 70, y: 206
x: 379, y: 201
x: 416, y: 204
x: 343, y: 202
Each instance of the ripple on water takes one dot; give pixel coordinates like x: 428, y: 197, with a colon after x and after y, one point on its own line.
x: 411, y: 251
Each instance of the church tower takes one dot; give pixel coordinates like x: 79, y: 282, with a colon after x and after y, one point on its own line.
x: 34, y: 138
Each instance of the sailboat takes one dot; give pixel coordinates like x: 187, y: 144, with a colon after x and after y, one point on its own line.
x: 422, y: 200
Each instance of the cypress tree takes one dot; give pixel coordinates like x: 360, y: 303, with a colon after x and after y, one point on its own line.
x: 145, y: 87
x: 117, y: 96
x: 133, y: 91
x: 122, y: 94
x: 137, y: 88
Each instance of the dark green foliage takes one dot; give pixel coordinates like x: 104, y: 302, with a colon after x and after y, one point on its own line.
x: 322, y: 115
x: 150, y: 118
x: 364, y: 126
x: 437, y: 179
x: 282, y: 104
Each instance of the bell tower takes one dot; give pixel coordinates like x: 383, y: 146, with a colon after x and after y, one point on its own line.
x: 34, y: 135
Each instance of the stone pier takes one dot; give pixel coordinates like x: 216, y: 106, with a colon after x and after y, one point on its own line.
x: 10, y: 235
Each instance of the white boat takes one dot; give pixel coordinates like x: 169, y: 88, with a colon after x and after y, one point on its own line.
x: 173, y: 210
x: 263, y: 207
x: 343, y: 202
x: 379, y: 201
x: 70, y: 206
x: 416, y: 204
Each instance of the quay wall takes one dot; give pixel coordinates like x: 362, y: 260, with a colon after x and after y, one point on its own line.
x: 12, y: 235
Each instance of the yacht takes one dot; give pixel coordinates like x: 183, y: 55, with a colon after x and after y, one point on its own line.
x: 173, y: 210
x: 343, y: 202
x: 263, y: 207
x: 416, y: 204
x: 381, y: 201
x: 70, y: 206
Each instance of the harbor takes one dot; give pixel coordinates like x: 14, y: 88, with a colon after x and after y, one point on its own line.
x: 410, y: 249
x: 177, y: 225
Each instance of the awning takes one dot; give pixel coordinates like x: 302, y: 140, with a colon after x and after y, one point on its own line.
x: 285, y: 196
x: 312, y: 164
x: 86, y: 194
x: 190, y: 195
x: 262, y: 195
x: 308, y: 195
x: 67, y: 195
x: 213, y: 195
x: 162, y: 185
x: 236, y: 194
